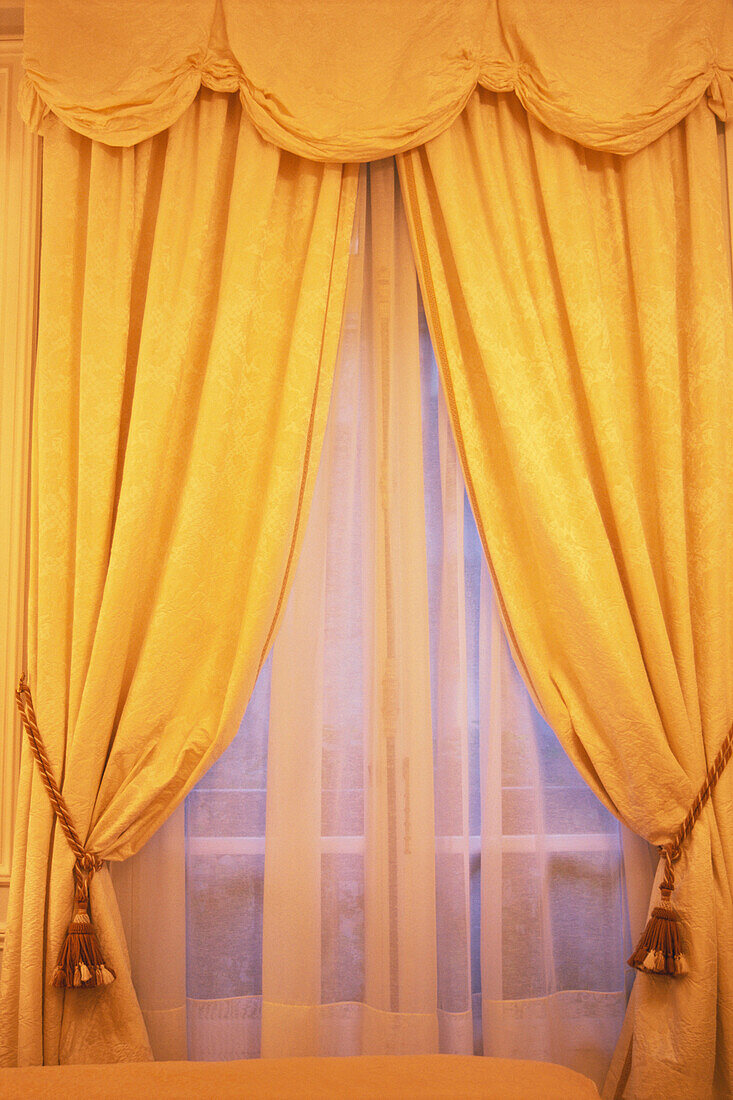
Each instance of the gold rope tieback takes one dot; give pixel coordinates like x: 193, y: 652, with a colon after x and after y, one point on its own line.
x: 80, y: 961
x: 659, y: 950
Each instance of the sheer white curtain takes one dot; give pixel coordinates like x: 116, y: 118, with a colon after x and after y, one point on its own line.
x: 394, y: 855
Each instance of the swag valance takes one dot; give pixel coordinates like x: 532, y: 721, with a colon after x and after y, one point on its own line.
x: 354, y: 80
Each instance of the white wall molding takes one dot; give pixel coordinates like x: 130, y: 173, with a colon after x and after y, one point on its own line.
x: 19, y: 242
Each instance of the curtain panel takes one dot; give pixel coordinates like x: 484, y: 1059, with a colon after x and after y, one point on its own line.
x: 581, y: 309
x: 191, y: 297
x: 362, y: 79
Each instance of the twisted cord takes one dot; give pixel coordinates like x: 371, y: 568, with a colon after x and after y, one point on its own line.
x: 86, y: 862
x: 671, y: 852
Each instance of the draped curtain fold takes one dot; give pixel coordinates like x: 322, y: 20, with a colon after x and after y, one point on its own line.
x: 580, y: 307
x: 191, y: 297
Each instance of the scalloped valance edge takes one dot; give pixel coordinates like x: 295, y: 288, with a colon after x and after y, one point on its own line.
x: 176, y: 96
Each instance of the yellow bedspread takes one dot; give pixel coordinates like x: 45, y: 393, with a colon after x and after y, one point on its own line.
x: 438, y: 1076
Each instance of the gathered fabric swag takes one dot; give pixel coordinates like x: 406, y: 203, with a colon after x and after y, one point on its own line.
x: 362, y: 80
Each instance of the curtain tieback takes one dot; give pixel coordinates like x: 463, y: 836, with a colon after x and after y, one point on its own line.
x: 659, y: 950
x: 80, y: 961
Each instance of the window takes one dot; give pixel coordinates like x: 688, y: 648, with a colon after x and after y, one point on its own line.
x: 528, y: 909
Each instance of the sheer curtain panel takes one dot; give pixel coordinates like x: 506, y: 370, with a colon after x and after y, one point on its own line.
x: 191, y: 296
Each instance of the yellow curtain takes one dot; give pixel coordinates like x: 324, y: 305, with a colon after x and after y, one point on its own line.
x: 191, y: 298
x: 580, y: 306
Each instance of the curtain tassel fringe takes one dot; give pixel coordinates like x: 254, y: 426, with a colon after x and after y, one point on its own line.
x: 80, y: 959
x: 659, y: 950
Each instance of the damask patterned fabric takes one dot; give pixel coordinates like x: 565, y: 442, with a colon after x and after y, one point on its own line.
x: 581, y: 309
x: 191, y: 297
x: 360, y: 79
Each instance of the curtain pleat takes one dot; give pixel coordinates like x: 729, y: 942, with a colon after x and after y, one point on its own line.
x: 581, y: 311
x: 191, y: 297
x: 725, y: 145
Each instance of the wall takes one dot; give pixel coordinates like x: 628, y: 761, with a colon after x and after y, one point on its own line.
x: 19, y: 237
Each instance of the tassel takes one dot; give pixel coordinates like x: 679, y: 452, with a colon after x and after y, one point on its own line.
x: 80, y: 962
x: 80, y: 959
x: 659, y: 950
